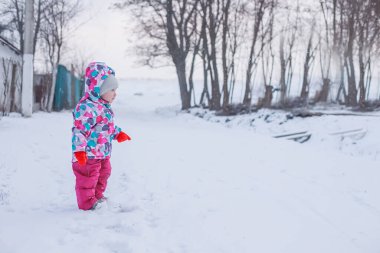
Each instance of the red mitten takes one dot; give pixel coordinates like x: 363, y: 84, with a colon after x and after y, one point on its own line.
x: 81, y: 157
x: 122, y: 137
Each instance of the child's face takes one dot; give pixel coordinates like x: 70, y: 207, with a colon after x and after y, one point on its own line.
x: 109, y: 96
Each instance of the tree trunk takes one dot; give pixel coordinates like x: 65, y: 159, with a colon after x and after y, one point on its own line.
x: 324, y: 94
x: 226, y: 94
x: 178, y: 56
x: 349, y: 63
x: 251, y: 61
x: 283, y: 88
x: 215, y: 90
x: 248, y: 93
x: 342, y: 88
x: 205, y: 92
x: 206, y: 65
x: 52, y: 89
x: 267, y: 102
x: 362, y: 91
x: 306, y: 68
x: 184, y: 92
x: 191, y: 81
x: 13, y: 88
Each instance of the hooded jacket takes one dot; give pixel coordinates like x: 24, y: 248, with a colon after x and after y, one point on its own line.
x: 94, y: 128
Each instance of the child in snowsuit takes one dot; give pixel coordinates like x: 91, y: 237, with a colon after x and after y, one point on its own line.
x: 92, y: 135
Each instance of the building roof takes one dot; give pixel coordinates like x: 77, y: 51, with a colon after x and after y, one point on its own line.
x: 5, y: 42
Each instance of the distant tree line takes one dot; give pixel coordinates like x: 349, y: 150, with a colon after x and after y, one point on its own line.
x: 331, y: 46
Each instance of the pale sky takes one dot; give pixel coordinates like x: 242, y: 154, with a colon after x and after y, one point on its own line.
x: 106, y: 35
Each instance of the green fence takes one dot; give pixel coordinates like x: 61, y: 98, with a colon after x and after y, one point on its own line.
x: 68, y: 89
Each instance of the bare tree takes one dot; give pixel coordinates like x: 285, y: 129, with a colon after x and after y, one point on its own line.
x: 236, y: 39
x: 287, y: 43
x: 368, y: 34
x: 179, y: 46
x: 226, y: 4
x: 309, y: 60
x: 196, y: 40
x: 351, y: 35
x: 327, y: 48
x: 338, y: 47
x: 170, y: 23
x: 216, y: 31
x: 12, y: 12
x: 350, y: 16
x: 268, y: 60
x: 259, y: 7
x: 212, y: 12
x: 220, y: 32
x: 204, y: 54
x: 57, y: 16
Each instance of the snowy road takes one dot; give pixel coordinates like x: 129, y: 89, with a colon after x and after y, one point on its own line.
x: 185, y: 185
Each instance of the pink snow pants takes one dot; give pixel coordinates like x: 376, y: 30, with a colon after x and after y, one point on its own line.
x: 91, y: 181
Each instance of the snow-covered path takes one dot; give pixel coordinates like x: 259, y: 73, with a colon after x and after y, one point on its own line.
x: 185, y: 185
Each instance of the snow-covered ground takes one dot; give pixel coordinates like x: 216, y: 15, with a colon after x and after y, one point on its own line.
x: 187, y: 184
x: 352, y: 133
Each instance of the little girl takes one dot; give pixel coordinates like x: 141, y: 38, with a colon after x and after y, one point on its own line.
x: 93, y: 132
